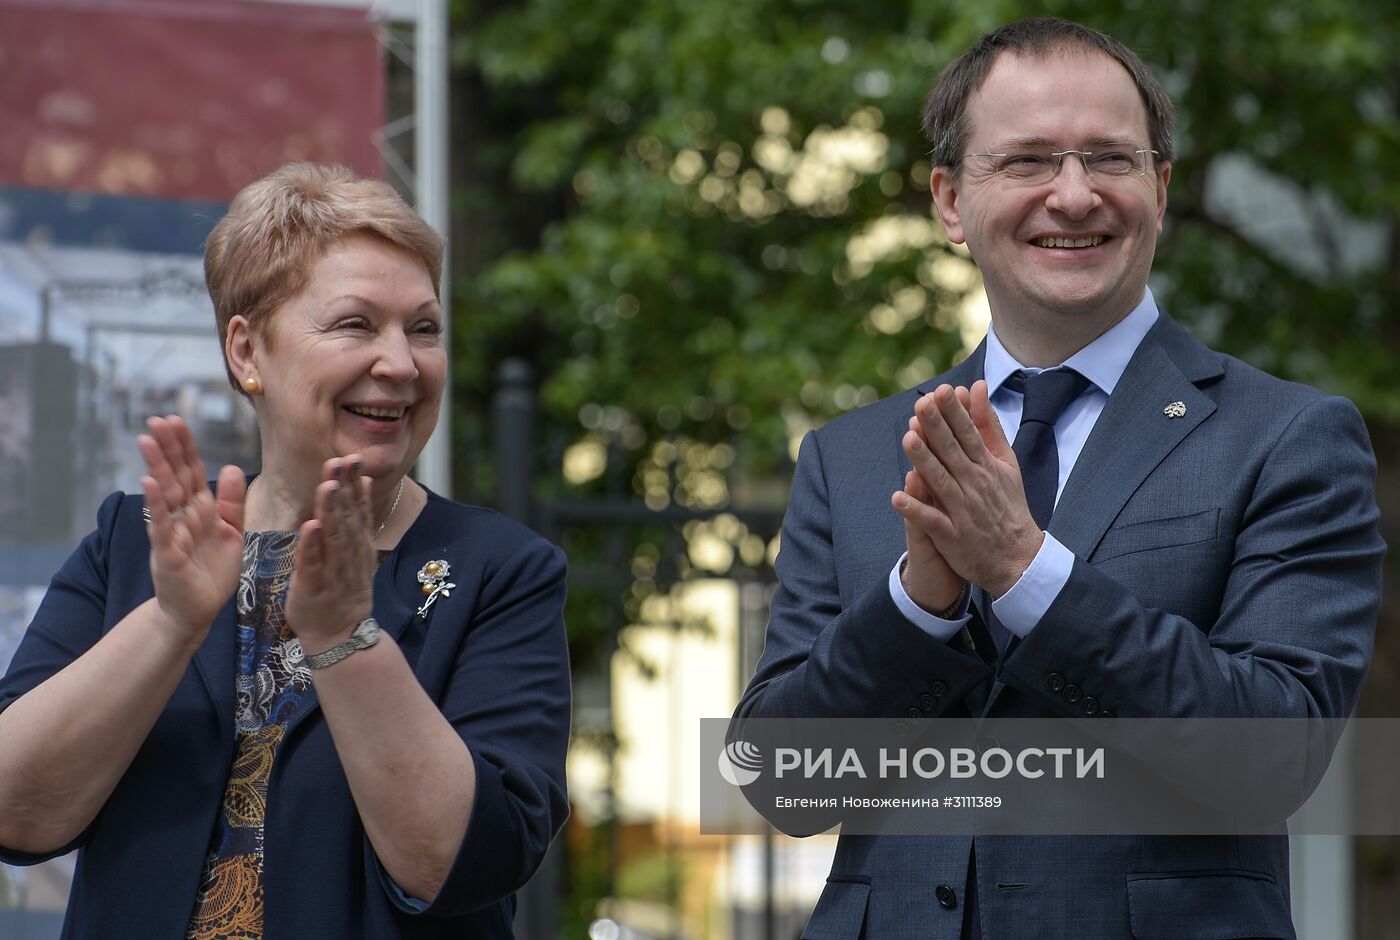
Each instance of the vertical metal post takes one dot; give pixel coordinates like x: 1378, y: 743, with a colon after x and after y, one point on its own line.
x: 753, y: 621
x: 430, y: 136
x: 1322, y: 867
x: 513, y: 432
x: 45, y: 311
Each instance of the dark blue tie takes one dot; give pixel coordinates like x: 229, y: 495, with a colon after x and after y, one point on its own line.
x: 1047, y: 394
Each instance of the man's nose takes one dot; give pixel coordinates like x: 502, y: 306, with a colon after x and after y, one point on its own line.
x: 1073, y: 192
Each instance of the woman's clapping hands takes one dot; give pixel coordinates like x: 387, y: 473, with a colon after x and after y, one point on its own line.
x: 332, y: 588
x: 196, y: 536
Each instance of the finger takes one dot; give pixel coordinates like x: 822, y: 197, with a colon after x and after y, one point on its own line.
x: 926, y: 519
x: 334, y: 472
x: 231, y: 496
x: 345, y: 507
x: 357, y: 488
x: 160, y: 529
x: 157, y: 450
x: 917, y: 542
x: 154, y: 457
x: 984, y: 417
x: 917, y: 427
x: 955, y: 415
x: 937, y: 479
x: 327, y: 511
x: 914, y: 486
x: 344, y: 547
x: 939, y: 436
x: 187, y: 458
x: 311, y: 550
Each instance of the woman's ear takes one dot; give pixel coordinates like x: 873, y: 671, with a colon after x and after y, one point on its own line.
x: 240, y: 351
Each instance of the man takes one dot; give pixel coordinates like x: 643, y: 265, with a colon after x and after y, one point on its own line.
x: 1213, y: 549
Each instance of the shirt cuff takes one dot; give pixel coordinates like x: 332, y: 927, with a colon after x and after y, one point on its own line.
x: 936, y: 627
x: 1021, y: 608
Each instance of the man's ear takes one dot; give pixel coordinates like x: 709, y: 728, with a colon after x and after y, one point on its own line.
x: 943, y: 184
x: 1163, y: 178
x: 239, y: 349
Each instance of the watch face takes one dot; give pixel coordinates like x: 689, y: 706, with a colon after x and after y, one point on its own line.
x: 367, y: 633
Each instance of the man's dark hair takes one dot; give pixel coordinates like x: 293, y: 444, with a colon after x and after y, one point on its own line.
x: 945, y: 109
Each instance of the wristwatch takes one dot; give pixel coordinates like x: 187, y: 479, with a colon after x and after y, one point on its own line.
x: 366, y: 635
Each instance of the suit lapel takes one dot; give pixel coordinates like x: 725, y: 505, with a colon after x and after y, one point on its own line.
x: 214, y: 664
x: 964, y: 373
x: 1133, y: 435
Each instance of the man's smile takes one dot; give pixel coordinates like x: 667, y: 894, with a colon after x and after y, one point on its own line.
x: 1074, y: 241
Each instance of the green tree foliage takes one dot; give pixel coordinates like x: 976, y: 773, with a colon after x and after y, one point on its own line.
x: 730, y: 227
x: 745, y: 244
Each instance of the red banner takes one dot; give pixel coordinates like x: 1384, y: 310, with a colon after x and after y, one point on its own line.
x: 183, y: 99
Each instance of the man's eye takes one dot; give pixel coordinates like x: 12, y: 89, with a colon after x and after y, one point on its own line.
x: 1025, y: 165
x: 1114, y: 161
x: 353, y: 323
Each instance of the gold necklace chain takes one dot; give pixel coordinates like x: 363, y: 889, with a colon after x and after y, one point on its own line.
x: 390, y: 514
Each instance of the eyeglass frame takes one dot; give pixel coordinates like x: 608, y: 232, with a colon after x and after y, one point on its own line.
x: 1059, y: 157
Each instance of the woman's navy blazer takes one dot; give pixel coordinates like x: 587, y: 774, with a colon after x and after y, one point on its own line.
x: 492, y: 655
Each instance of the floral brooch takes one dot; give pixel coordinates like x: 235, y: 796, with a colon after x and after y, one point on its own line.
x: 433, y: 576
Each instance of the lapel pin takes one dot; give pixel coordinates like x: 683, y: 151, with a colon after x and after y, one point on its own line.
x: 1176, y: 409
x: 433, y: 577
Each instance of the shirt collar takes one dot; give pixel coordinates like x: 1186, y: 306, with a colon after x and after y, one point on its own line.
x: 1102, y: 362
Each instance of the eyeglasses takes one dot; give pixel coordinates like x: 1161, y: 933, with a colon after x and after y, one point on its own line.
x: 1041, y: 166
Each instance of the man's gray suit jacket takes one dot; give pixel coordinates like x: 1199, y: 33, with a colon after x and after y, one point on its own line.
x: 1227, y: 564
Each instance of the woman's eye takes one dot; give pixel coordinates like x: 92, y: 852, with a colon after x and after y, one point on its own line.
x: 430, y: 327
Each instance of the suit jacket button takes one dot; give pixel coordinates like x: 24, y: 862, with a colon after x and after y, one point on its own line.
x: 1090, y: 705
x: 1055, y: 682
x: 901, y: 729
x: 946, y: 897
x: 1073, y: 694
x: 913, y: 714
x: 926, y: 701
x: 938, y: 688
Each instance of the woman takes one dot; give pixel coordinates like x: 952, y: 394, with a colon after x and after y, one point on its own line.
x: 321, y: 703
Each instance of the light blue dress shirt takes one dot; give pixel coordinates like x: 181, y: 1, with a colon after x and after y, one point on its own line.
x: 1102, y: 362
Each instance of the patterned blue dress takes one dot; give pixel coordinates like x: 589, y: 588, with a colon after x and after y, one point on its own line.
x: 271, y: 677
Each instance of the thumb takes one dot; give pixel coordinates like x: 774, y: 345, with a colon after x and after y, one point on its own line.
x: 917, y: 542
x: 984, y: 417
x: 230, y: 496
